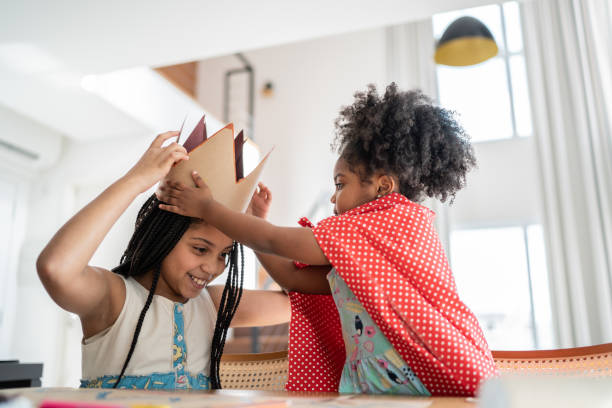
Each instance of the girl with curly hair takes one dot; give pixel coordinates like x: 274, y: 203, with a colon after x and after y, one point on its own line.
x: 375, y: 308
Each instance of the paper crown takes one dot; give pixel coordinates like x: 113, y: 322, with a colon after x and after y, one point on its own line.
x: 218, y: 160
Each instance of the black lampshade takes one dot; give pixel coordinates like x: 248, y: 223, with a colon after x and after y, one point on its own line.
x: 466, y: 41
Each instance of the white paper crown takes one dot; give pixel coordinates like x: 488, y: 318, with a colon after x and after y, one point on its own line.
x: 218, y: 160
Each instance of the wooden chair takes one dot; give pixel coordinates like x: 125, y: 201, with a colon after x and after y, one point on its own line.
x: 268, y: 371
x: 263, y: 371
x: 592, y: 361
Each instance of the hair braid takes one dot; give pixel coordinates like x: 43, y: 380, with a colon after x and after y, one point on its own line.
x: 227, y: 308
x: 139, y: 325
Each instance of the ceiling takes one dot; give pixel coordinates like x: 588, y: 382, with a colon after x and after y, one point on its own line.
x: 51, y: 50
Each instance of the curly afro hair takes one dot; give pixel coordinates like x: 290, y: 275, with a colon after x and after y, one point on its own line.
x: 404, y: 134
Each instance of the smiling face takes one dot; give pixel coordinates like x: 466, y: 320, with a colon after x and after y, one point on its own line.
x: 199, y: 257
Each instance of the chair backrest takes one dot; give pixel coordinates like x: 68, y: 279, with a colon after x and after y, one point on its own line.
x: 268, y: 371
x: 264, y: 371
x: 592, y: 361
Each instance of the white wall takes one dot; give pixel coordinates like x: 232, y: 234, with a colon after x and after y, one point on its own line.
x: 29, y: 310
x: 14, y: 191
x: 312, y: 80
x: 44, y: 332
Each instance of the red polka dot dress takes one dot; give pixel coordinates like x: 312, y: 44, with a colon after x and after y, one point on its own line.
x: 389, y: 254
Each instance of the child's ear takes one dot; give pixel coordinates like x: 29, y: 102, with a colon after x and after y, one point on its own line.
x: 386, y: 185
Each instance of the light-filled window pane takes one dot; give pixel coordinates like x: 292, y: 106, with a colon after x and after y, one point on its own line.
x: 490, y: 268
x: 488, y: 15
x: 514, y: 33
x: 480, y: 95
x: 540, y: 286
x: 522, y: 108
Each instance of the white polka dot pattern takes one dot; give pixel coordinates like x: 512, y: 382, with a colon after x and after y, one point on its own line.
x: 389, y: 254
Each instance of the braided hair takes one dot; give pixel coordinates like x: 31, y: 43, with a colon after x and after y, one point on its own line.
x: 232, y: 292
x: 156, y: 233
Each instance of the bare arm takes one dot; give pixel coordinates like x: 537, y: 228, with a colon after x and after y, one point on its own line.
x: 312, y: 279
x: 90, y: 292
x: 256, y: 233
x: 257, y: 307
x: 283, y: 271
x: 62, y: 265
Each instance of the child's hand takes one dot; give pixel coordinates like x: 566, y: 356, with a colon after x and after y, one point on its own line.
x: 260, y: 202
x: 184, y: 200
x: 156, y: 162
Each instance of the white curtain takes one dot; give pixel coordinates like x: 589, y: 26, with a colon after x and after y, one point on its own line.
x: 410, y: 64
x: 568, y: 56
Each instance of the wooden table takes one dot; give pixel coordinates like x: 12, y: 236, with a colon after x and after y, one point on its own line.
x: 380, y: 400
x: 233, y: 398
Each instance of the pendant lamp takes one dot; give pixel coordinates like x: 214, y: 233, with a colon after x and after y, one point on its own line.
x: 466, y: 41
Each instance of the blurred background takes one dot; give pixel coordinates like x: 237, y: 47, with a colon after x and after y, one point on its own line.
x: 85, y: 86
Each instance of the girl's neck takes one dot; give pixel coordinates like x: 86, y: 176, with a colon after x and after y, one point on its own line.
x: 162, y: 289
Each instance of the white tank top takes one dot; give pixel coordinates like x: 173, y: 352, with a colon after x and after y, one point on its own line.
x: 156, y: 351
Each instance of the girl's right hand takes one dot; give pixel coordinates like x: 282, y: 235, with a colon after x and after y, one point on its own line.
x: 260, y: 202
x: 156, y: 162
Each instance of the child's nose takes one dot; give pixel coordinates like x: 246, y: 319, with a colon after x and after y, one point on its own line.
x: 333, y: 198
x: 206, y: 268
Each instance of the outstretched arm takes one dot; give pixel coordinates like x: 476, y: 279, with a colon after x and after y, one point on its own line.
x: 258, y: 234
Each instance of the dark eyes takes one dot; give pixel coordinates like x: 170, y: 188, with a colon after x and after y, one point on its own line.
x: 225, y: 256
x: 339, y: 186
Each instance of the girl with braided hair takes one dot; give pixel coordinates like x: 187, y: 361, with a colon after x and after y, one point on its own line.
x: 152, y: 322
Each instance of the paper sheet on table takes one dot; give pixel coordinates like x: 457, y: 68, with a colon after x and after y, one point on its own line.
x: 539, y: 391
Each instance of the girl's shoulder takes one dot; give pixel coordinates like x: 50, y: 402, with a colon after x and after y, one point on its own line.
x: 107, y: 313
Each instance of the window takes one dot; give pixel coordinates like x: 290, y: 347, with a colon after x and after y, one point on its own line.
x: 496, y: 242
x: 492, y: 97
x: 501, y: 275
